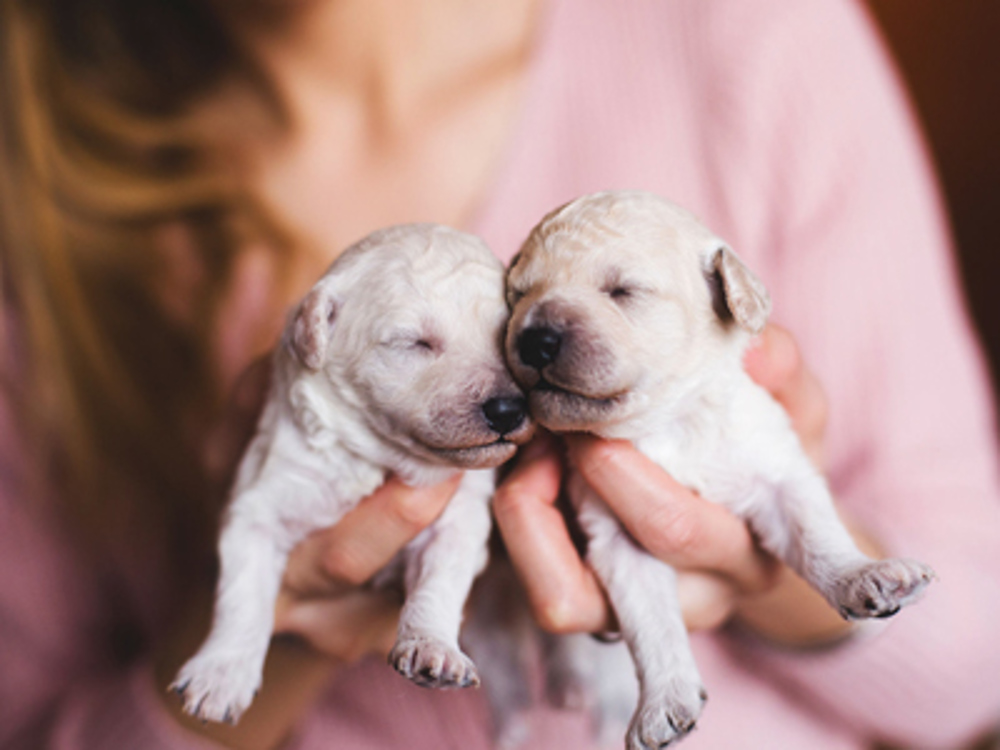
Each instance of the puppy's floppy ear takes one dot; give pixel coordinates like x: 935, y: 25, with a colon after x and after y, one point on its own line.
x: 737, y: 293
x: 313, y: 325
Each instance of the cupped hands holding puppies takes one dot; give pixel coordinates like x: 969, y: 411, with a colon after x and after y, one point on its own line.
x: 723, y: 573
x: 326, y: 603
x: 326, y: 613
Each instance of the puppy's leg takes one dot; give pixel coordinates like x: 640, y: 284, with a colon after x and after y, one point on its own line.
x: 643, y: 592
x: 441, y: 565
x: 219, y: 682
x: 801, y: 527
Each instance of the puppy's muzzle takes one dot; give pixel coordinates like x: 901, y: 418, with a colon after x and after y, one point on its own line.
x: 505, y: 415
x: 539, y: 346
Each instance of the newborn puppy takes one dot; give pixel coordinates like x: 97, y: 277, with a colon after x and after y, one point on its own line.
x: 393, y: 362
x: 630, y: 320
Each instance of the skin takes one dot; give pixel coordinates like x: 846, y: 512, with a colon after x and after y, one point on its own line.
x: 724, y: 575
x: 333, y: 620
x: 386, y: 99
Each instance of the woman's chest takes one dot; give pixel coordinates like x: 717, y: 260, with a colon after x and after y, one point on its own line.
x: 347, y: 171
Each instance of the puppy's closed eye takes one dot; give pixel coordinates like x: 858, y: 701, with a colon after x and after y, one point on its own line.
x: 621, y: 288
x: 624, y: 292
x: 415, y: 343
x: 619, y: 291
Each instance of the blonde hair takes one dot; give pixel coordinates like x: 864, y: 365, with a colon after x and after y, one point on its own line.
x: 116, y: 130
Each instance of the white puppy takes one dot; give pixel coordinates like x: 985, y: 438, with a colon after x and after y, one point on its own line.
x: 392, y: 363
x: 630, y: 320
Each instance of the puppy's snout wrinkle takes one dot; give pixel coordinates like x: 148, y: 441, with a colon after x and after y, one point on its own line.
x: 539, y: 346
x: 504, y: 415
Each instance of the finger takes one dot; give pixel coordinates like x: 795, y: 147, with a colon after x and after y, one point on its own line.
x: 707, y: 600
x: 563, y: 592
x: 669, y: 520
x: 366, y: 539
x: 346, y: 627
x: 775, y: 362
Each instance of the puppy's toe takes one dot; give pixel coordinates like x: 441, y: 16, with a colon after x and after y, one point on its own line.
x: 431, y: 663
x: 659, y: 723
x: 218, y: 687
x: 881, y: 588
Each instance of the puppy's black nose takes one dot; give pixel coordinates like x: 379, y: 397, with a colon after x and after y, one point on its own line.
x: 539, y: 346
x: 505, y: 415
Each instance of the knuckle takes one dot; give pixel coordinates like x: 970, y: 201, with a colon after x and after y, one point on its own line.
x: 557, y: 615
x: 340, y: 564
x: 413, y: 510
x: 677, y: 532
x: 604, y: 457
x: 707, y: 601
x: 509, y: 498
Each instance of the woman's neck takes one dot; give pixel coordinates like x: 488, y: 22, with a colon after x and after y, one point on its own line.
x: 400, y: 112
x: 394, y: 59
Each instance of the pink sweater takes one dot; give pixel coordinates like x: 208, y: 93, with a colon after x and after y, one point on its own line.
x: 781, y: 125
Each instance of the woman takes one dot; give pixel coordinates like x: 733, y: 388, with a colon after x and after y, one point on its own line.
x: 175, y: 173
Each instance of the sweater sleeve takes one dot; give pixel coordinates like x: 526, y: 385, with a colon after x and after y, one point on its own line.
x: 60, y: 685
x: 857, y: 254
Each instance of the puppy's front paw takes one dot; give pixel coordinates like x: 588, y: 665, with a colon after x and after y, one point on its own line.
x: 218, y: 687
x: 880, y: 588
x: 431, y: 663
x: 661, y: 721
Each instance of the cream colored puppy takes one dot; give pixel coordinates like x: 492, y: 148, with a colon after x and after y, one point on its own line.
x: 392, y: 363
x: 630, y: 320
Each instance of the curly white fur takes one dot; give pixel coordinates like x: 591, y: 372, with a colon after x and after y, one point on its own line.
x: 389, y: 364
x: 630, y: 320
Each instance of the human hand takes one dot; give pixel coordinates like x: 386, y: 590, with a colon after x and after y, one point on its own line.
x: 722, y: 572
x: 323, y: 599
x: 323, y: 603
x: 775, y: 362
x: 791, y: 612
x: 711, y: 548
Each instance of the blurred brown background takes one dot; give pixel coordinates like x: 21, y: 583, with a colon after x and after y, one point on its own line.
x: 949, y: 55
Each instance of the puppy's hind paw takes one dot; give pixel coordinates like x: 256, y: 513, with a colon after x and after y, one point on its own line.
x: 881, y: 588
x: 217, y: 688
x: 431, y: 663
x: 658, y: 724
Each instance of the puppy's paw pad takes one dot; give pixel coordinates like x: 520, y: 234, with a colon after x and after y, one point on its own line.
x: 217, y: 688
x: 431, y: 663
x: 881, y: 588
x: 658, y: 724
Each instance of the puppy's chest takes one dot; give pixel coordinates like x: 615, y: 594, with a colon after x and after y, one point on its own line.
x: 328, y: 491
x: 706, y: 463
